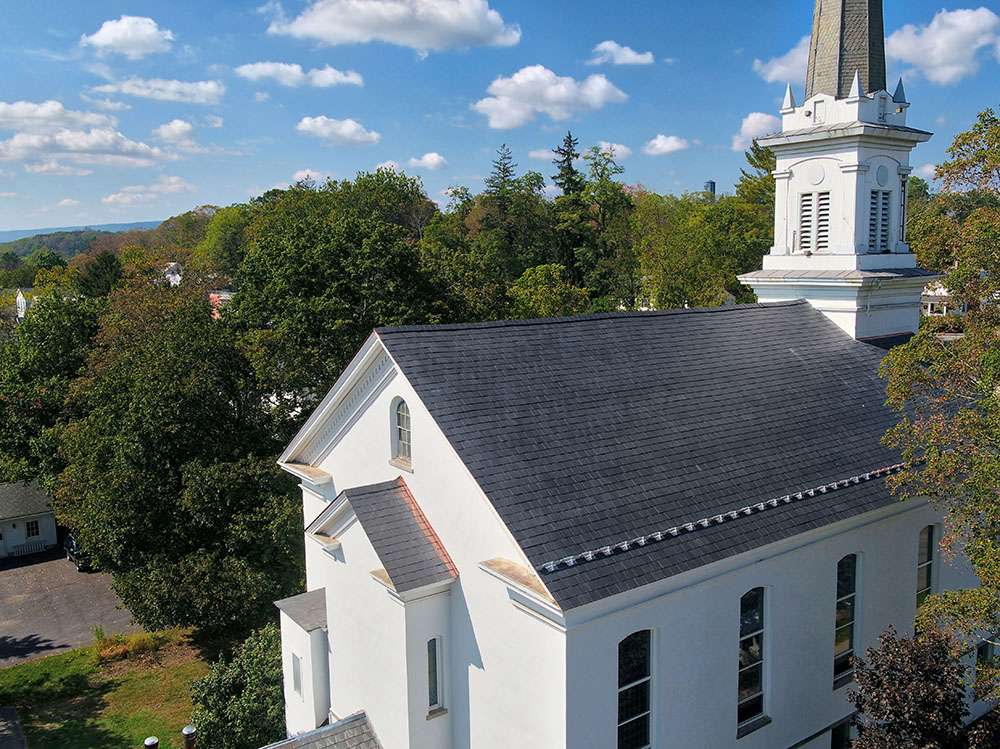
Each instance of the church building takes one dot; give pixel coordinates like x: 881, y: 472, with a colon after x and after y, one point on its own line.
x: 643, y: 529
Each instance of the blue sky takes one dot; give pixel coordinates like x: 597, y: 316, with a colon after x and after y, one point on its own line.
x: 115, y: 111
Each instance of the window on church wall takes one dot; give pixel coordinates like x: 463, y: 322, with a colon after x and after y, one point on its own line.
x: 814, y: 222
x: 903, y: 207
x: 750, y: 697
x: 926, y: 549
x: 401, y: 435
x: 878, y: 220
x: 435, y: 696
x: 845, y: 635
x: 634, y: 697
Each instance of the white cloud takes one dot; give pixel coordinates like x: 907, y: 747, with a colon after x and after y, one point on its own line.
x: 339, y: 132
x: 44, y: 153
x: 53, y: 167
x: 309, y: 174
x: 755, y: 125
x: 387, y: 164
x: 162, y: 89
x: 213, y: 121
x: 947, y: 49
x: 5, y: 173
x: 789, y: 68
x: 10, y: 195
x: 546, y: 154
x: 925, y: 172
x: 616, y: 149
x: 291, y: 74
x: 430, y: 161
x: 174, y: 131
x: 615, y: 53
x: 48, y: 116
x: 515, y: 101
x: 662, y: 144
x: 132, y: 36
x: 261, y: 96
x: 146, y: 193
x: 68, y: 203
x: 419, y: 24
x: 106, y: 105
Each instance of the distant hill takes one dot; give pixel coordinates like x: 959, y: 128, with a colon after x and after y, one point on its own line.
x: 11, y: 234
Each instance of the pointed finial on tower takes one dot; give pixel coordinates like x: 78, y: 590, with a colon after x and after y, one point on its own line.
x: 789, y: 103
x: 900, y: 96
x: 857, y: 90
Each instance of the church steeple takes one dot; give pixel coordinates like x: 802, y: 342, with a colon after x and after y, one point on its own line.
x: 847, y: 38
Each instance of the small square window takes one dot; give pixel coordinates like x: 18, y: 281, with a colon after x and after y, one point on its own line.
x: 31, y: 529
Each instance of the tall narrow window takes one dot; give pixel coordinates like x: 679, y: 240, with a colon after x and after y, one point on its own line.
x: 434, y: 701
x: 297, y: 674
x: 878, y: 220
x: 750, y: 703
x: 402, y: 451
x: 634, y: 680
x: 925, y: 564
x: 814, y: 222
x: 844, y: 638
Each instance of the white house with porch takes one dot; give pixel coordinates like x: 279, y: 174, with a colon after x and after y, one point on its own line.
x: 27, y: 522
x: 649, y: 529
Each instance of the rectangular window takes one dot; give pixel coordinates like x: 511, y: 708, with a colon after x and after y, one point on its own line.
x: 31, y: 528
x: 985, y: 670
x: 925, y: 564
x: 297, y: 674
x: 634, y: 699
x: 814, y: 222
x: 433, y: 675
x: 841, y: 737
x: 844, y: 635
x: 750, y: 704
x: 878, y: 221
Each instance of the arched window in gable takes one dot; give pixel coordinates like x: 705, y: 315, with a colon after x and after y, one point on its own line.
x: 401, y: 437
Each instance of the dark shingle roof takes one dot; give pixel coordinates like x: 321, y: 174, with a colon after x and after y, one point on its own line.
x: 20, y: 500
x: 403, y: 539
x: 355, y: 732
x: 590, y: 431
x: 308, y: 610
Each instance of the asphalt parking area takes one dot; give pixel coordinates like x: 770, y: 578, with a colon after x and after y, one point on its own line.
x: 46, y: 607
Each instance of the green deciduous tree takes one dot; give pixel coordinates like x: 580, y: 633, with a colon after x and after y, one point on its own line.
x: 974, y: 162
x: 239, y: 704
x: 544, y: 292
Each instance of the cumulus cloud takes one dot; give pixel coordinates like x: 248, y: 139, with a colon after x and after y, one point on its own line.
x: 309, y: 174
x: 755, y: 125
x: 53, y: 167
x: 48, y: 116
x: 617, y: 54
x: 419, y: 24
x: 162, y: 89
x: 662, y: 144
x: 431, y: 161
x: 291, y: 74
x: 387, y: 164
x: 546, y: 154
x: 146, y: 193
x: 261, y: 96
x: 174, y: 131
x: 106, y: 105
x: 132, y: 36
x: 925, y: 172
x: 213, y: 121
x: 789, y: 68
x: 948, y: 48
x: 615, y: 149
x: 68, y: 203
x: 516, y: 100
x: 339, y: 132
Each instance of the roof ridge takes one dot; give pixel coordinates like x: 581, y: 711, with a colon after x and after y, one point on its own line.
x: 597, y: 316
x: 622, y: 546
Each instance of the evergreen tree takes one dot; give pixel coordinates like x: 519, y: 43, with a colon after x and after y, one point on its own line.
x: 569, y: 179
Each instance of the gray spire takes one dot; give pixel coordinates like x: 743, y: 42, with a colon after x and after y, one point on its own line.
x: 847, y: 37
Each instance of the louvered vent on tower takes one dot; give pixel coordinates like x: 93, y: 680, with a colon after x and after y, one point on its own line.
x: 822, y: 222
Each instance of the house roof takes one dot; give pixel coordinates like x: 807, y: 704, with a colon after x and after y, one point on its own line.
x: 586, y: 432
x: 22, y: 500
x: 404, y: 541
x: 354, y: 732
x: 308, y: 610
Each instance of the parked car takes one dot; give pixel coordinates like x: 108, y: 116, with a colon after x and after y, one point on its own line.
x: 78, y: 556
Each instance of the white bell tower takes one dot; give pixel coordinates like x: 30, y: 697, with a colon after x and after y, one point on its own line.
x: 843, y: 159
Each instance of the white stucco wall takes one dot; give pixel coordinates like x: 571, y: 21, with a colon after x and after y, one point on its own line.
x: 696, y: 634
x: 306, y: 710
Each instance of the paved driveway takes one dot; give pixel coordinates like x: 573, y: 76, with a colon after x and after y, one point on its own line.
x: 46, y: 606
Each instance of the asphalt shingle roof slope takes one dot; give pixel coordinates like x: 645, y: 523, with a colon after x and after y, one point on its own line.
x: 590, y: 431
x: 20, y: 500
x: 404, y: 541
x: 354, y: 732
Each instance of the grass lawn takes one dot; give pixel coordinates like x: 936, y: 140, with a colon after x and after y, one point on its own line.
x: 69, y: 701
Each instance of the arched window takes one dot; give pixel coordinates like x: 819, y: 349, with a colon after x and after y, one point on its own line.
x: 925, y: 564
x: 401, y: 438
x: 750, y: 698
x: 634, y: 698
x: 845, y: 638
